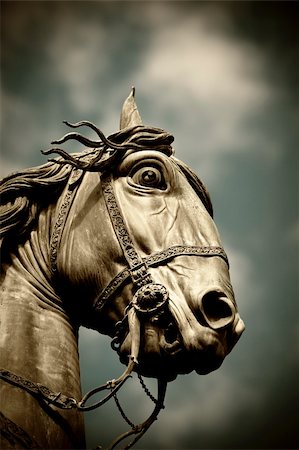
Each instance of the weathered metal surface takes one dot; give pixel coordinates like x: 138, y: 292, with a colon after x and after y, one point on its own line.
x: 134, y: 254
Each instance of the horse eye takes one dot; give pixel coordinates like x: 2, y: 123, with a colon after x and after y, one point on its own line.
x: 149, y: 177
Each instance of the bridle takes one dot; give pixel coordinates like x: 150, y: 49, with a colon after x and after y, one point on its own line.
x: 137, y: 269
x: 149, y: 298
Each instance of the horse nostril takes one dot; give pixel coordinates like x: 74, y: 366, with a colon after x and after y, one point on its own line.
x: 217, y: 309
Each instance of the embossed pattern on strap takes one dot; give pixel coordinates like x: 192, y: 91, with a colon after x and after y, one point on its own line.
x: 55, y: 398
x: 155, y: 260
x: 137, y: 267
x: 73, y: 184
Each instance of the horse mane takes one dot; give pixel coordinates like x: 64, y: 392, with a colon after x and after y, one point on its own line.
x: 25, y: 193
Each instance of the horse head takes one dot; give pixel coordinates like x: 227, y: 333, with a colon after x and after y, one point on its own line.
x: 119, y: 238
x: 140, y: 258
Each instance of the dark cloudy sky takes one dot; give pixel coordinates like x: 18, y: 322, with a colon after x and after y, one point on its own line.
x: 222, y: 77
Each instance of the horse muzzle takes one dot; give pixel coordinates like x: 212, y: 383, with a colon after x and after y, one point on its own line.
x: 176, y: 340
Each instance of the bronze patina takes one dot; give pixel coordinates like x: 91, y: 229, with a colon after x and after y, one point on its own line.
x: 119, y: 238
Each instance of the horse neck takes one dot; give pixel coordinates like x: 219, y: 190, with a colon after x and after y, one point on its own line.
x: 38, y: 342
x: 34, y: 311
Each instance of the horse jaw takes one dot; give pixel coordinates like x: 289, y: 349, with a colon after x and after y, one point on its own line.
x: 182, y: 338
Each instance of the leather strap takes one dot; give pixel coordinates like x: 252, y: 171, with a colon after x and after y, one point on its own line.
x: 72, y: 187
x: 154, y: 260
x: 137, y: 267
x: 36, y: 389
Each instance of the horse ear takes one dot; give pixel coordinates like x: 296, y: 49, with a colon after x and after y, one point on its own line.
x: 130, y: 116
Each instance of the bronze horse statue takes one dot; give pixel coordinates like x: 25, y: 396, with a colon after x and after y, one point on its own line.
x: 118, y: 238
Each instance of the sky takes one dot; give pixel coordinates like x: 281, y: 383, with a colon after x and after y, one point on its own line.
x: 222, y: 77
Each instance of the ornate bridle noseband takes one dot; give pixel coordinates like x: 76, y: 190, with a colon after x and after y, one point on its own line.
x: 149, y: 298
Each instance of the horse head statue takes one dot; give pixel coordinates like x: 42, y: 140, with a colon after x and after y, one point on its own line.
x: 119, y: 238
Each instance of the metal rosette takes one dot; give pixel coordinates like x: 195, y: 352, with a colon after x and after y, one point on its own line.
x: 150, y: 299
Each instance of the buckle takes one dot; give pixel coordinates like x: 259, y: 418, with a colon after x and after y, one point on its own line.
x: 139, y: 273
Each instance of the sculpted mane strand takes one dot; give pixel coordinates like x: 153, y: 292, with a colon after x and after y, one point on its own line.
x: 118, y: 238
x: 24, y: 194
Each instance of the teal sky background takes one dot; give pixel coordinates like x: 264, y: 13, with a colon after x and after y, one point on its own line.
x: 223, y: 78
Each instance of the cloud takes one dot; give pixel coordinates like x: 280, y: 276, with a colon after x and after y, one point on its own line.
x: 242, y: 276
x: 292, y: 237
x: 206, y: 403
x: 193, y: 76
x: 211, y: 68
x: 210, y: 86
x: 76, y: 53
x: 24, y: 133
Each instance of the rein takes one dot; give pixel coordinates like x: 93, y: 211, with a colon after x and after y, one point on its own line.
x: 148, y: 300
x: 64, y: 402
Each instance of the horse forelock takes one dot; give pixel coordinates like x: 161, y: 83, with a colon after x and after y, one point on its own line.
x: 25, y: 193
x: 105, y: 152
